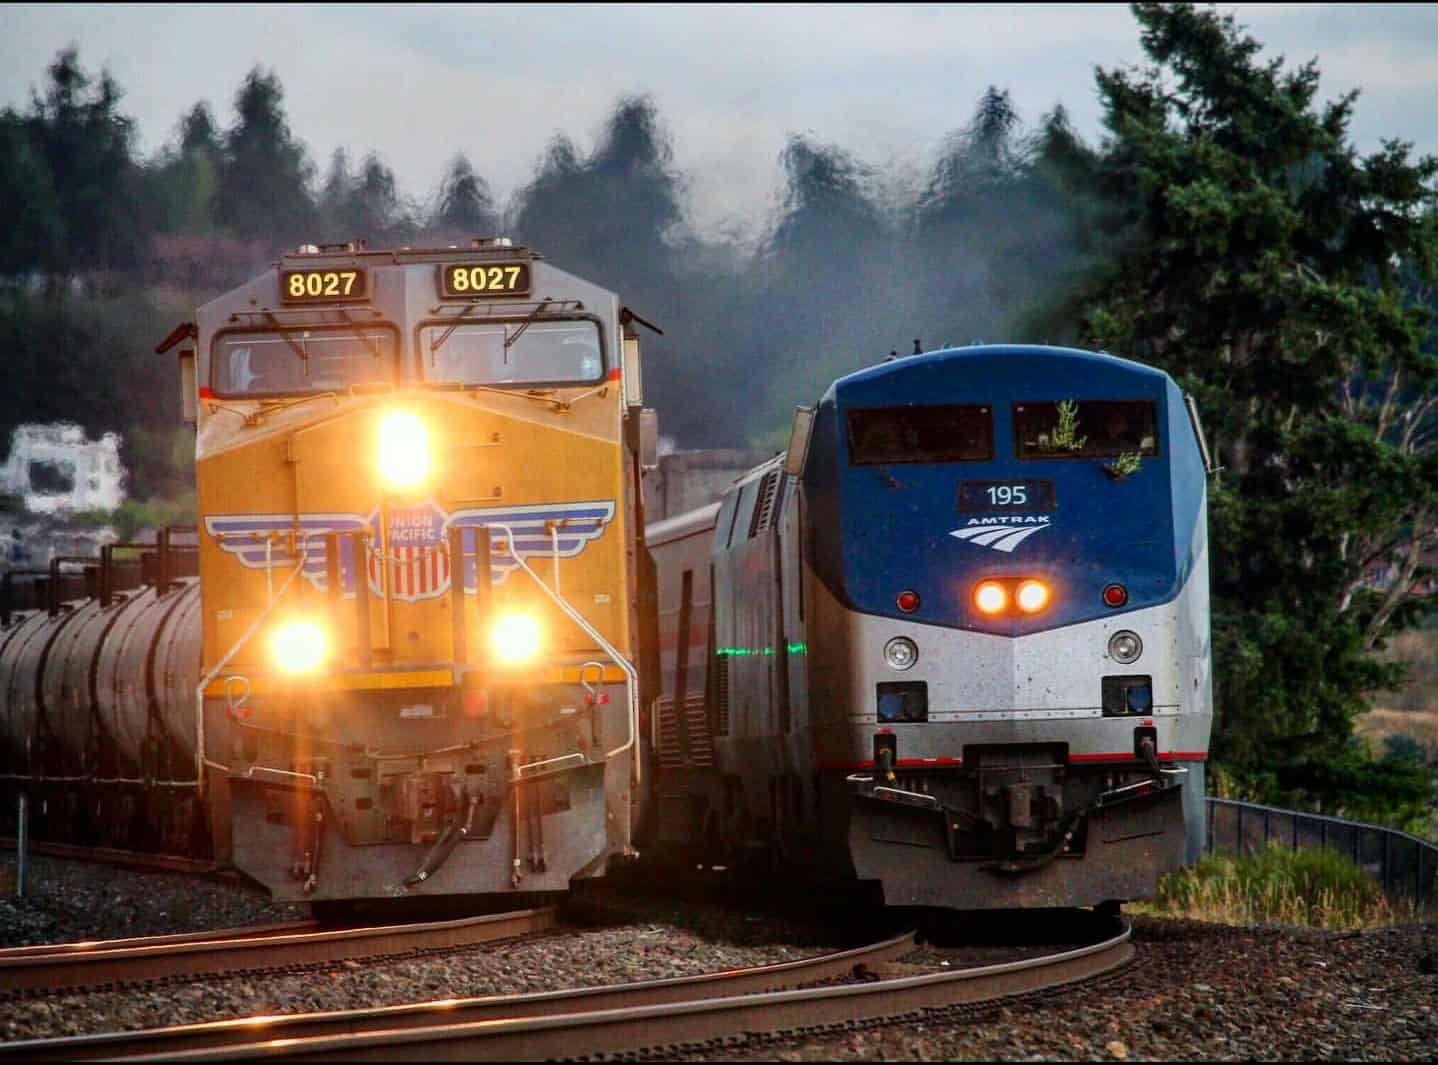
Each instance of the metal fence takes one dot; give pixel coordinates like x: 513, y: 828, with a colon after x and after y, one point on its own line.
x: 1405, y: 865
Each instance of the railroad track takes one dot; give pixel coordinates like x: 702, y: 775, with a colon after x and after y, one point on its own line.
x: 662, y: 1015
x: 162, y: 863
x: 66, y: 966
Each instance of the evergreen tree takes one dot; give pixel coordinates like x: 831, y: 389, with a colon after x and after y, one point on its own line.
x: 264, y: 183
x: 465, y: 207
x: 1268, y: 266
x: 828, y: 282
x: 87, y: 145
x: 620, y: 205
x: 186, y: 176
x: 30, y: 221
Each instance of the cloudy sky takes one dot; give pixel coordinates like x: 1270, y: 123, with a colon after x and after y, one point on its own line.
x: 418, y: 82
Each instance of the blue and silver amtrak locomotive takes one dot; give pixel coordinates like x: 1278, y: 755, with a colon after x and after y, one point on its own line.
x: 955, y: 640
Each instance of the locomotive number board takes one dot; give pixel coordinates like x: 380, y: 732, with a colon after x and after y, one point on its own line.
x: 1011, y: 496
x: 464, y: 281
x: 324, y: 285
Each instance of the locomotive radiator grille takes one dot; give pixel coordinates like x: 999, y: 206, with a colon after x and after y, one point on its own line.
x: 671, y: 747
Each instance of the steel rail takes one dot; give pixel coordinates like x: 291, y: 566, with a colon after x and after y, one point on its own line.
x: 264, y: 948
x: 619, y: 1019
x: 244, y: 1031
x: 82, y: 946
x: 163, y: 863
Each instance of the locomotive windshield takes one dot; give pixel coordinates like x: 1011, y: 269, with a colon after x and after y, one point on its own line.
x: 949, y: 433
x: 299, y: 360
x: 513, y: 353
x: 1085, y: 429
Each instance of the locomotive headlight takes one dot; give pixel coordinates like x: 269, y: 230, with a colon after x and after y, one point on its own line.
x: 901, y: 652
x: 1125, y: 647
x: 1033, y: 596
x: 299, y: 647
x: 404, y: 455
x: 515, y: 639
x: 991, y: 597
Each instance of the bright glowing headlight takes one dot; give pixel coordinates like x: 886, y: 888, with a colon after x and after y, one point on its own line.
x: 901, y: 652
x: 515, y: 639
x: 299, y: 647
x: 1033, y: 596
x: 1125, y: 647
x: 991, y: 597
x: 404, y: 458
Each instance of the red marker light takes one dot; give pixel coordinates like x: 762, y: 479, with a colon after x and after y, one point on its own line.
x: 1115, y: 595
x: 907, y: 601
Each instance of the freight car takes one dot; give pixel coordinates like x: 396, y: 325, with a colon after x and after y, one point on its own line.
x: 396, y: 654
x: 955, y: 641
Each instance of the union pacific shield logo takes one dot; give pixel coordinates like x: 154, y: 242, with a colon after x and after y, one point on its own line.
x: 416, y: 563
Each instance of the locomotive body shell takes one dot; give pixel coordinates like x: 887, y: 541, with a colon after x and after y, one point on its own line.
x: 990, y: 768
x: 416, y: 751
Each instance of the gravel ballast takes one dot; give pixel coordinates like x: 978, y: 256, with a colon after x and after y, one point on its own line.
x: 1197, y: 991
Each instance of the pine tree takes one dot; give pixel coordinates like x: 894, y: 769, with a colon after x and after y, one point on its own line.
x: 1270, y: 267
x: 465, y: 207
x: 264, y: 183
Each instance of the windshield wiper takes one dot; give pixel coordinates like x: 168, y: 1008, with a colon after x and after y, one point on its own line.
x: 528, y: 321
x: 298, y: 349
x: 365, y: 339
x: 435, y: 345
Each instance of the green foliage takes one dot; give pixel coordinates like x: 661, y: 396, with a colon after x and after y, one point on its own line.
x: 1315, y: 887
x: 134, y: 516
x: 366, y: 206
x: 1271, y: 269
x: 465, y: 207
x: 1125, y: 465
x: 1064, y: 437
x: 264, y: 188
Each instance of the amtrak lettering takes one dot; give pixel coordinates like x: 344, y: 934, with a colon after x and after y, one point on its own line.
x: 1002, y: 533
x: 417, y: 540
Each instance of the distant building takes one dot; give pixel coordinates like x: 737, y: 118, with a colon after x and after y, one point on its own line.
x: 1381, y: 575
x: 54, y: 468
x: 689, y: 479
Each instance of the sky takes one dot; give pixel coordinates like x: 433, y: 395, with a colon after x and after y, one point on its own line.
x: 416, y: 83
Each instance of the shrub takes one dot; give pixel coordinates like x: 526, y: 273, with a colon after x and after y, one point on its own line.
x: 1314, y: 887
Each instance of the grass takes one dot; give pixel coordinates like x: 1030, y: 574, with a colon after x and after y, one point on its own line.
x: 1419, y: 650
x: 1380, y: 723
x: 1311, y: 888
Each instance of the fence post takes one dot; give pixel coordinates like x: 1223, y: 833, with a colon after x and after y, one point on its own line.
x: 1387, y: 859
x: 1238, y: 843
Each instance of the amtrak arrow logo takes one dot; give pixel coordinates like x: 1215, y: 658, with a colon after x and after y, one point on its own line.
x: 1000, y: 534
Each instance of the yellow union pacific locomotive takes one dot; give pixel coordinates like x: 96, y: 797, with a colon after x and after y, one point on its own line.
x: 407, y: 665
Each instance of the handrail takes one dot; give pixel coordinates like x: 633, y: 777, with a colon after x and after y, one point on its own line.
x: 594, y: 634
